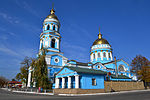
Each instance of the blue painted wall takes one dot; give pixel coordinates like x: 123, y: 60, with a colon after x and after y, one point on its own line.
x: 86, y: 81
x: 53, y: 60
x: 53, y: 71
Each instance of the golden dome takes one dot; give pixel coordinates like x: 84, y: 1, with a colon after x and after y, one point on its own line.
x: 52, y: 14
x: 100, y: 40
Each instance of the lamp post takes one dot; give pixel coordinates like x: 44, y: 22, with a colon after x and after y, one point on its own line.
x: 116, y: 70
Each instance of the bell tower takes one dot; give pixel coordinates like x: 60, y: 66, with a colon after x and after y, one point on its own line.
x: 50, y: 37
x: 50, y: 41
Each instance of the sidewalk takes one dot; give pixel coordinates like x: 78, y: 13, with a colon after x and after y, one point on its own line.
x: 110, y: 93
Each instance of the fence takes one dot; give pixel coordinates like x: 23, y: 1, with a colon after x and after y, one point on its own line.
x: 32, y: 90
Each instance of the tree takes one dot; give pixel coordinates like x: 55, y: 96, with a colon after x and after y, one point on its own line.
x: 138, y: 62
x: 18, y: 76
x: 141, y: 66
x: 13, y: 79
x: 40, y: 71
x: 23, y: 75
x: 144, y: 75
x: 3, y: 81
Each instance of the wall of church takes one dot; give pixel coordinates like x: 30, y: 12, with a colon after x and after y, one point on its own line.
x: 56, y: 60
x: 52, y: 71
x: 123, y: 86
x: 86, y: 81
x: 125, y: 65
x: 101, y: 55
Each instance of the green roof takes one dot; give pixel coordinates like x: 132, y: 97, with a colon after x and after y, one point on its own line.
x: 86, y: 70
x: 120, y: 77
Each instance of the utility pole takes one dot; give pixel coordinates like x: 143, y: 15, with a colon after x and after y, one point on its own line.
x: 116, y: 70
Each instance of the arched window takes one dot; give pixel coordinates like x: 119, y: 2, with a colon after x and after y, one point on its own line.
x: 48, y: 27
x: 104, y: 54
x: 54, y: 27
x: 109, y: 55
x: 121, y: 68
x: 99, y: 55
x: 93, y: 56
x: 53, y: 43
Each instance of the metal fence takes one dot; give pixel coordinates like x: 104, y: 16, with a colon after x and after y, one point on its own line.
x: 32, y: 90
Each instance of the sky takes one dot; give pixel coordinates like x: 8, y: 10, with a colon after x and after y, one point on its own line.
x: 124, y: 23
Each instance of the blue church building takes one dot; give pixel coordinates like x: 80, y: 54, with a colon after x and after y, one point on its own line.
x: 64, y: 73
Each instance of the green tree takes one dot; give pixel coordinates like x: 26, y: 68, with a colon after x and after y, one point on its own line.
x: 13, y: 79
x: 18, y: 77
x: 40, y: 71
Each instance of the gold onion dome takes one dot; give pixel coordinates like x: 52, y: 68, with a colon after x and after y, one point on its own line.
x: 52, y: 14
x: 100, y: 40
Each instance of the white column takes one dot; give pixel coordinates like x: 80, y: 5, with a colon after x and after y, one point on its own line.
x: 69, y: 82
x: 51, y: 26
x: 96, y: 56
x: 76, y: 81
x: 40, y: 44
x: 63, y: 82
x: 107, y: 56
x: 56, y: 83
x: 45, y: 27
x: 29, y: 78
x: 92, y: 57
x: 111, y: 56
x: 57, y: 43
x: 101, y: 55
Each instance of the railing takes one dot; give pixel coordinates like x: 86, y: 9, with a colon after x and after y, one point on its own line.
x: 32, y: 90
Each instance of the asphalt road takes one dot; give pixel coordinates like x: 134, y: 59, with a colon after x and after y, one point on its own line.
x: 145, y: 95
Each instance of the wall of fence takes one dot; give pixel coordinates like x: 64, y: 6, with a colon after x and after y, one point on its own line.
x: 111, y: 86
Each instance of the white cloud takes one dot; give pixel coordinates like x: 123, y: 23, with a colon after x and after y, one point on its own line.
x: 27, y: 7
x: 8, y: 18
x: 19, y: 52
x: 8, y: 51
